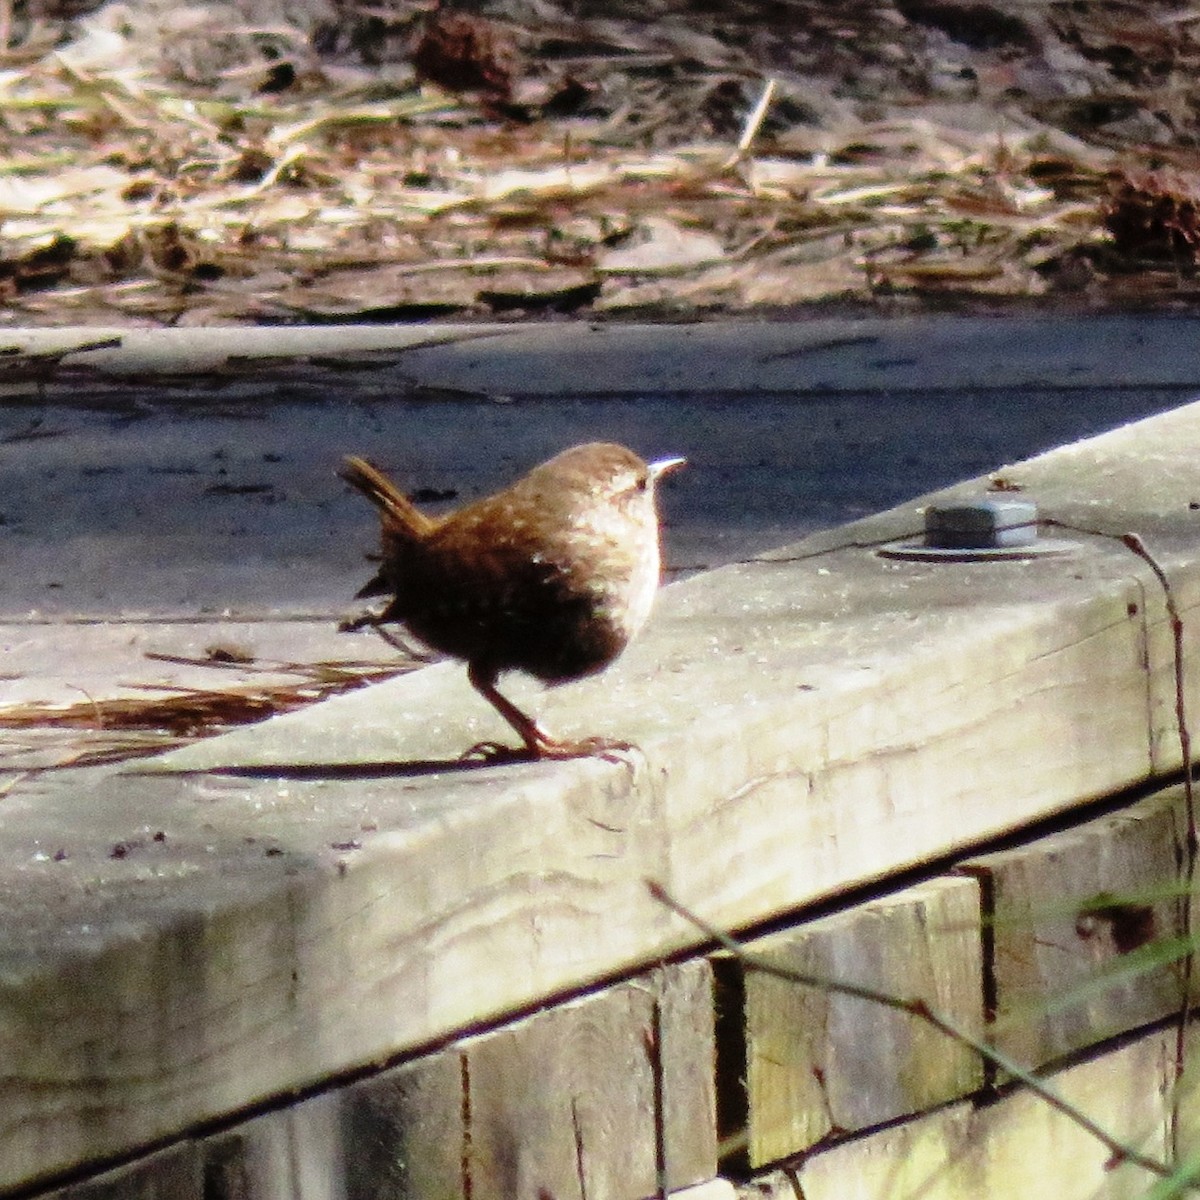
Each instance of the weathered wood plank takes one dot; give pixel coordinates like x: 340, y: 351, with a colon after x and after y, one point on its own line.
x: 579, y: 1102
x: 820, y: 1063
x: 572, y: 1102
x: 710, y: 1189
x: 297, y: 1153
x: 1184, y: 1091
x: 174, y: 1174
x: 804, y: 725
x: 582, y: 1101
x: 1067, y: 910
x: 1014, y: 1149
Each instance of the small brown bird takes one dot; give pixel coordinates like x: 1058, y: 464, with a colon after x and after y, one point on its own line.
x: 552, y: 576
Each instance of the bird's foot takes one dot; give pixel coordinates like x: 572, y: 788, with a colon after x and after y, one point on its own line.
x: 496, y: 753
x: 367, y: 620
x: 610, y: 749
x: 547, y: 749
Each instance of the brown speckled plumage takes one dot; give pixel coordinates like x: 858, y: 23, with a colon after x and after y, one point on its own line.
x: 552, y: 576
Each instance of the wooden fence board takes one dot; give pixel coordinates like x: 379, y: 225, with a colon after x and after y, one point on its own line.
x: 819, y: 1063
x: 1016, y: 1148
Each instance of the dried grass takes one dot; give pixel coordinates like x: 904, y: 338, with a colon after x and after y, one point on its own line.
x: 118, y: 728
x: 151, y: 171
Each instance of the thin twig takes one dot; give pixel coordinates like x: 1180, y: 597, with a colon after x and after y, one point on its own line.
x: 1188, y: 864
x: 754, y: 121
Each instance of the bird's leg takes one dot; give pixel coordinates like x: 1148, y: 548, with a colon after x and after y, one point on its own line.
x: 536, y: 739
x: 538, y: 743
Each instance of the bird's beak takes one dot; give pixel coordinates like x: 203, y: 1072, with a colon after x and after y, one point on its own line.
x: 663, y: 465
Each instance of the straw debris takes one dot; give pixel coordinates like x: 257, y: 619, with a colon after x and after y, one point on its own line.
x: 166, y: 164
x: 114, y: 728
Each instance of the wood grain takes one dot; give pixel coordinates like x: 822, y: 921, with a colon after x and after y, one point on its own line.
x: 1071, y: 917
x: 1017, y: 1147
x: 820, y: 1063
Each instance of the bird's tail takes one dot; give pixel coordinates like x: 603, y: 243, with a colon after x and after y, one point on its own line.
x: 399, y: 515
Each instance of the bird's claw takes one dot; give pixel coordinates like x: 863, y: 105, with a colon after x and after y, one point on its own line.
x: 547, y: 749
x: 496, y: 753
x: 609, y: 749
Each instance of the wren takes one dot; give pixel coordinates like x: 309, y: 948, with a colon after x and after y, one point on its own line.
x: 552, y: 576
